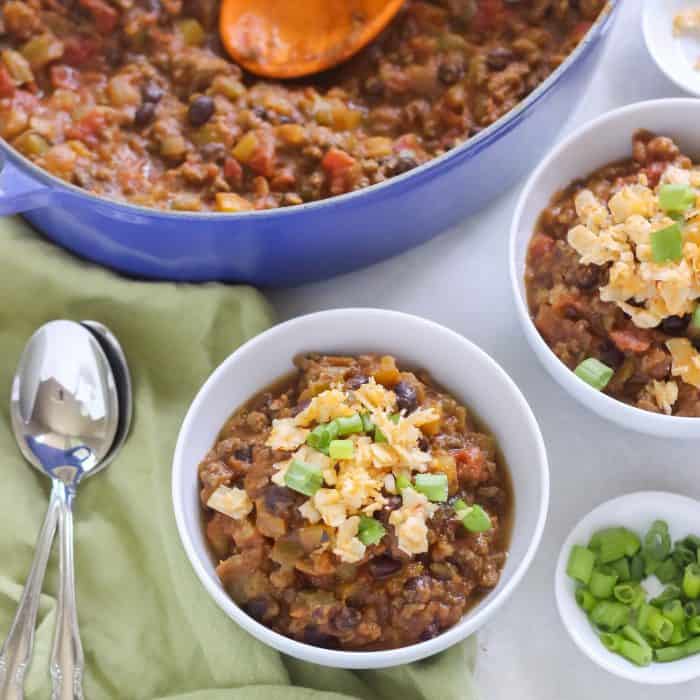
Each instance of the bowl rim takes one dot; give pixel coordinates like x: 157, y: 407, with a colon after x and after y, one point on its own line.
x: 599, y: 655
x: 652, y: 49
x: 601, y: 403
x: 472, y: 620
x: 471, y: 146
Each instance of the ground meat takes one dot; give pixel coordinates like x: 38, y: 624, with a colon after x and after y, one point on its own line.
x: 563, y: 294
x: 152, y: 111
x: 278, y: 566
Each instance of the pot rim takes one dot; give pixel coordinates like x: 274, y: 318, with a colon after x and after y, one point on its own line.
x: 471, y: 146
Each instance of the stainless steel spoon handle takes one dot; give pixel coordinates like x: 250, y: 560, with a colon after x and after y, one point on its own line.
x: 67, y: 660
x: 16, y: 652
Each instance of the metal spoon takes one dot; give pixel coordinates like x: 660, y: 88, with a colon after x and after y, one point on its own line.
x: 65, y: 416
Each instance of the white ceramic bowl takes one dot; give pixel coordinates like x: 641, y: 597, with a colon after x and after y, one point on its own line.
x: 676, y: 56
x: 601, y: 141
x: 465, y: 370
x: 635, y: 511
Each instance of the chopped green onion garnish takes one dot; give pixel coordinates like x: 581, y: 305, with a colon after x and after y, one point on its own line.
x: 695, y: 319
x: 349, y: 425
x: 477, y: 519
x: 594, y: 372
x: 395, y: 417
x: 379, y: 436
x: 322, y: 436
x: 676, y: 199
x: 304, y: 478
x: 667, y: 244
x: 367, y: 424
x: 402, y: 482
x: 580, y: 566
x: 371, y: 531
x: 434, y: 486
x: 341, y: 449
x: 460, y: 506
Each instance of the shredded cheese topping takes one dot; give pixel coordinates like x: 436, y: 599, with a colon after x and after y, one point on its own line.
x: 233, y: 502
x: 619, y: 234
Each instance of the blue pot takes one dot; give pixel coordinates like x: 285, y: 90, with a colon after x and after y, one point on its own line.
x: 312, y: 241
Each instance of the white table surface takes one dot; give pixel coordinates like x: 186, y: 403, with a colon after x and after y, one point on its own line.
x: 461, y: 280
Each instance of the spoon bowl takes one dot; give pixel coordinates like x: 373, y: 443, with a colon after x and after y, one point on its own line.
x: 289, y: 39
x: 64, y: 404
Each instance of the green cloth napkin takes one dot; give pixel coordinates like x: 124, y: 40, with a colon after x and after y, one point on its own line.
x: 148, y: 627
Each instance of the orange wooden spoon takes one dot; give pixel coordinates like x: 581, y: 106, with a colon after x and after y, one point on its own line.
x: 293, y: 38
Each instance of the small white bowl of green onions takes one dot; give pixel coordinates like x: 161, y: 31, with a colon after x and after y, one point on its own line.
x: 628, y: 587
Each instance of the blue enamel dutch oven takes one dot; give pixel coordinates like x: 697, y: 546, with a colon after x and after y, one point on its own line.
x: 313, y: 241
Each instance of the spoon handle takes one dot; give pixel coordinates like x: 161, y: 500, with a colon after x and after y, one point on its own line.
x: 16, y: 652
x: 67, y: 660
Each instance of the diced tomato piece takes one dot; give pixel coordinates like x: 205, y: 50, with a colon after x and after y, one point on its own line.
x: 489, y: 15
x: 106, y: 17
x: 88, y: 128
x: 340, y: 169
x: 7, y: 85
x: 233, y: 172
x: 78, y: 50
x: 471, y: 465
x: 634, y: 340
x: 65, y: 77
x: 580, y: 30
x: 541, y: 245
x: 263, y: 159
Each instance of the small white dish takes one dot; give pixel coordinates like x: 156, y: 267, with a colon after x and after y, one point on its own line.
x: 635, y: 511
x: 454, y: 362
x: 599, y: 142
x: 676, y: 56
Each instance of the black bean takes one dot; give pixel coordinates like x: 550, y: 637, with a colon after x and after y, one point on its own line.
x: 383, y: 567
x: 450, y: 72
x: 610, y: 355
x: 200, y: 111
x: 499, y: 58
x: 374, y: 86
x: 406, y: 397
x: 145, y: 114
x: 404, y: 161
x: 423, y: 444
x: 278, y: 500
x: 356, y: 381
x: 244, y: 454
x: 347, y: 619
x: 257, y: 607
x: 586, y: 276
x: 312, y: 635
x: 152, y: 92
x: 675, y: 325
x: 431, y: 631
